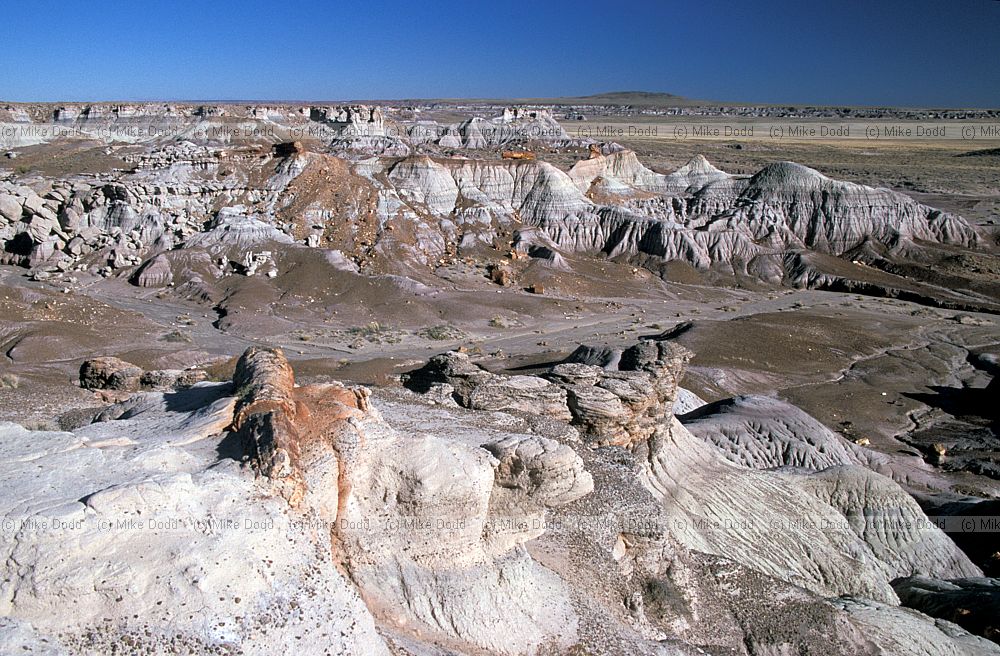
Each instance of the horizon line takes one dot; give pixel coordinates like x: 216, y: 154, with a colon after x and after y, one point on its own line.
x: 555, y: 100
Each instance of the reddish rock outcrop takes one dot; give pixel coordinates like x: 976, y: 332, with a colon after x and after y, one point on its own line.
x: 276, y: 419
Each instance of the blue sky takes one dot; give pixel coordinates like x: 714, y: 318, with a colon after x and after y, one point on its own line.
x: 886, y: 52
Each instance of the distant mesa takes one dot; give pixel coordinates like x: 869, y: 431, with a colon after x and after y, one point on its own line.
x: 609, y: 98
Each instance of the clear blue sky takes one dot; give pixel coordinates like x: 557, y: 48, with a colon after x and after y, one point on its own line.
x: 942, y: 53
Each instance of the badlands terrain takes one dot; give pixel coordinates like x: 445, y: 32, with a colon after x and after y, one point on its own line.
x: 617, y: 375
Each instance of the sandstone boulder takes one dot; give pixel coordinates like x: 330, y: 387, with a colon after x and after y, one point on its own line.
x: 503, y: 275
x: 627, y: 405
x: 161, y: 380
x: 428, y: 526
x: 10, y: 207
x: 115, y: 375
x: 110, y: 373
x: 479, y: 389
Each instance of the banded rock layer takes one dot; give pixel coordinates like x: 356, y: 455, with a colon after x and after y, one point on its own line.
x: 412, y: 212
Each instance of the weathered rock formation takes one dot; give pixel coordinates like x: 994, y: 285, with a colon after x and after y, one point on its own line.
x: 626, y: 406
x: 116, y: 375
x: 110, y: 373
x: 478, y: 389
x: 155, y: 272
x: 401, y: 216
x: 277, y: 420
x: 339, y: 530
x: 868, y: 530
x: 620, y: 407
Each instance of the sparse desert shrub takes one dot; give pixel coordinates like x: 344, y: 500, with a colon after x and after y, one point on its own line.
x: 9, y: 381
x: 500, y: 321
x: 374, y: 333
x: 177, y: 337
x: 370, y: 330
x: 441, y: 332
